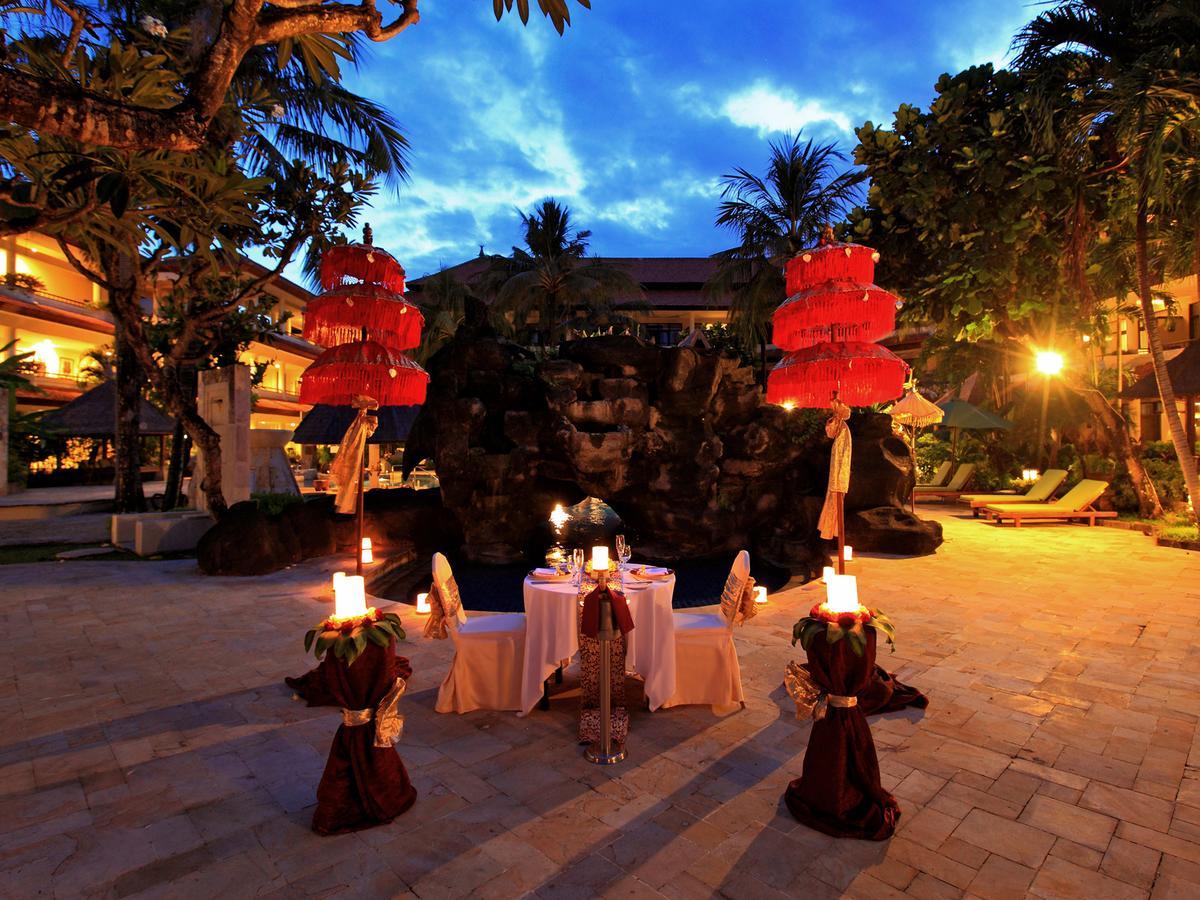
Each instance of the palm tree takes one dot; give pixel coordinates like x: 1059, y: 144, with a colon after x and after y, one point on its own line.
x: 442, y: 299
x: 775, y: 217
x: 1138, y: 68
x: 549, y: 286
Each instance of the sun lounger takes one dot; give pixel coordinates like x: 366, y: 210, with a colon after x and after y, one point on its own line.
x: 952, y: 490
x: 939, y: 477
x: 1039, y: 492
x: 1074, y: 504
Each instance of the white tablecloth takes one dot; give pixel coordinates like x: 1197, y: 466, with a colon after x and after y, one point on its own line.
x: 552, y: 635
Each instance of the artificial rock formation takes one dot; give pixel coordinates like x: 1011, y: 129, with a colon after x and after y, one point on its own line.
x: 680, y: 442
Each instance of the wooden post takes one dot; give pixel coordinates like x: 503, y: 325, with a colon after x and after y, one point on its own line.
x: 841, y: 526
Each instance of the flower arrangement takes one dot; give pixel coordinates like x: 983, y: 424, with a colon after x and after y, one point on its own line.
x: 348, y: 637
x: 838, y: 625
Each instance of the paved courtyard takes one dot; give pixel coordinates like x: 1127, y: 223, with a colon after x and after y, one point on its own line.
x: 149, y: 747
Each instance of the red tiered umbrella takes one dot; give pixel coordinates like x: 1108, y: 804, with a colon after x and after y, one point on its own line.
x: 348, y: 264
x: 339, y: 316
x: 831, y: 262
x: 350, y: 371
x: 836, y: 311
x: 859, y: 373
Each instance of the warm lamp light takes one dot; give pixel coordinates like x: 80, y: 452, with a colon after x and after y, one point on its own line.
x: 423, y: 604
x: 1048, y: 362
x: 368, y: 555
x: 841, y: 593
x: 1029, y: 474
x: 847, y: 553
x: 788, y: 405
x: 827, y: 572
x: 349, y: 596
x: 760, y: 595
x: 599, y: 560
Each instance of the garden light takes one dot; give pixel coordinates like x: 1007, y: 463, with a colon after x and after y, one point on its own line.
x: 1048, y: 362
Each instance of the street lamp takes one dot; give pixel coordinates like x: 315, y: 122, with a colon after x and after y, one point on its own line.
x: 1049, y: 362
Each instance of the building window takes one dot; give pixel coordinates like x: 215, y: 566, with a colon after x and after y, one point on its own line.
x: 1151, y: 421
x: 1194, y: 321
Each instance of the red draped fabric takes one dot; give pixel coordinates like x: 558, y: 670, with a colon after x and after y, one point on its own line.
x: 363, y: 785
x: 839, y: 792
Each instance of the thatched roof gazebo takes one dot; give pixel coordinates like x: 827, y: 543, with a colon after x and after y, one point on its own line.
x: 327, y: 424
x: 1184, y: 370
x: 93, y: 414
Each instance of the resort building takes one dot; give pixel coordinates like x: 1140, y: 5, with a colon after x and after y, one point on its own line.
x: 50, y: 309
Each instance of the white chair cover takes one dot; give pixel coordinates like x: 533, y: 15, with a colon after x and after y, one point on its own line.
x: 706, y: 663
x: 488, y: 652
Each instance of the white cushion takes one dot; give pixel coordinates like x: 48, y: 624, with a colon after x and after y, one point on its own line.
x: 699, y: 622
x: 504, y: 623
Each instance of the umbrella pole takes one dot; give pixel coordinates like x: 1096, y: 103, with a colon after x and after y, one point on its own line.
x: 358, y: 563
x: 841, y: 527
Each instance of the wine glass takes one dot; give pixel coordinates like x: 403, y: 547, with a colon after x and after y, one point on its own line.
x: 624, y: 551
x: 577, y: 566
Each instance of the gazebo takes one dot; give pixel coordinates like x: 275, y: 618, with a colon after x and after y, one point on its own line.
x: 93, y: 414
x: 327, y: 424
x: 1184, y: 371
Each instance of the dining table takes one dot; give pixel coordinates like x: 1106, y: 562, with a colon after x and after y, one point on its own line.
x: 552, y: 631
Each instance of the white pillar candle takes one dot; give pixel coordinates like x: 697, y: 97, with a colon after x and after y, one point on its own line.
x: 849, y: 553
x: 826, y: 572
x: 368, y: 556
x: 350, y: 597
x: 599, y: 559
x: 423, y: 604
x: 760, y: 594
x: 841, y: 593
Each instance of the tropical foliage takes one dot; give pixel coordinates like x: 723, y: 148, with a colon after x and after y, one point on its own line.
x: 549, y: 288
x: 775, y: 216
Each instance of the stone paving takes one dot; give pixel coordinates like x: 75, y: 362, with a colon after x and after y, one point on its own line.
x: 149, y: 747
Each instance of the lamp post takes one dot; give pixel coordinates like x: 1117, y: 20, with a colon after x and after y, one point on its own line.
x: 1048, y: 363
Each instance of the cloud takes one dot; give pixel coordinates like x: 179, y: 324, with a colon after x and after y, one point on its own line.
x: 769, y: 109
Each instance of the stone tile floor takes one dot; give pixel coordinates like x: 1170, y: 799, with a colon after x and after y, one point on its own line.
x: 149, y: 748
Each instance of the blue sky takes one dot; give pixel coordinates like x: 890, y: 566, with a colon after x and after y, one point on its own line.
x: 634, y: 114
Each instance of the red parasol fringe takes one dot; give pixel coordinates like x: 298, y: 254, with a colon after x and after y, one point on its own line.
x: 831, y: 262
x: 340, y: 315
x: 843, y: 311
x: 348, y: 264
x: 367, y: 369
x: 861, y: 373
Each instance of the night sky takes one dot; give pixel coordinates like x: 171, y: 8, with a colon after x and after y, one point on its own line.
x: 632, y: 116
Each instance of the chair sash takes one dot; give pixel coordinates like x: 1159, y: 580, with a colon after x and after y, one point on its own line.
x: 445, y: 609
x: 737, y: 600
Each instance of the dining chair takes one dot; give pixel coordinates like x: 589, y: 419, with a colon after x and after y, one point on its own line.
x: 706, y: 662
x: 488, y: 652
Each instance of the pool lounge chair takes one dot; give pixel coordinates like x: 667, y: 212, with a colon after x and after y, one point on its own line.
x: 951, y: 491
x: 1074, y: 504
x: 1039, y: 492
x: 939, y: 477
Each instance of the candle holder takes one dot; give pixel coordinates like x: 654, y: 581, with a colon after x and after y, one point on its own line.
x: 604, y: 620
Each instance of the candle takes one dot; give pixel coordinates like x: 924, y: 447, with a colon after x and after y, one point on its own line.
x: 841, y: 594
x: 827, y: 572
x: 350, y: 597
x: 760, y: 595
x: 848, y: 553
x: 338, y: 578
x: 423, y: 604
x: 368, y: 555
x: 599, y: 560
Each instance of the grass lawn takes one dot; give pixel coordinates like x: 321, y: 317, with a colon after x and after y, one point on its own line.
x: 32, y: 553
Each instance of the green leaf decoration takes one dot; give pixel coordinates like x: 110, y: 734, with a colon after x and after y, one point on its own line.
x: 309, y: 638
x: 378, y: 636
x: 834, y: 633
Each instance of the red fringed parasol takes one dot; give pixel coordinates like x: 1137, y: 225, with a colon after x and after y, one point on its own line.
x: 348, y: 264
x: 363, y: 369
x: 340, y: 315
x: 860, y: 373
x: 837, y: 311
x: 831, y: 262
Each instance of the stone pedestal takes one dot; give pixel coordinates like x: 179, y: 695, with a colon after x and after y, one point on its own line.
x: 270, y: 471
x: 224, y: 402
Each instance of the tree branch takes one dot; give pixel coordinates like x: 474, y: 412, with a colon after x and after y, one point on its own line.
x: 79, y: 20
x: 81, y: 267
x: 276, y: 23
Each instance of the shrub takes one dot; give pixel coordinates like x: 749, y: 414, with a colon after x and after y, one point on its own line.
x: 274, y: 504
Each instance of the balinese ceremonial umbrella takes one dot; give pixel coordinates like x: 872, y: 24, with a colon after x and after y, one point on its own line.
x: 340, y: 315
x: 344, y: 265
x: 916, y: 412
x: 346, y: 372
x: 858, y: 373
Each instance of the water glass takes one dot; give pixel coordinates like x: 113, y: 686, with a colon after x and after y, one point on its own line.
x: 577, y: 566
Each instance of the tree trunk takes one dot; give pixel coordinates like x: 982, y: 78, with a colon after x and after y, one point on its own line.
x: 179, y: 394
x: 1166, y: 391
x: 130, y: 379
x: 762, y: 361
x: 181, y: 445
x: 1117, y: 430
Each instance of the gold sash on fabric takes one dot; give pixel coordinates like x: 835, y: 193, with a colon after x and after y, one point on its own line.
x: 811, y: 702
x: 347, y: 465
x: 839, y: 468
x: 389, y: 723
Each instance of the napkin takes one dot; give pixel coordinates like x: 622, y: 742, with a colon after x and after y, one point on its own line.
x: 652, y: 573
x: 550, y: 575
